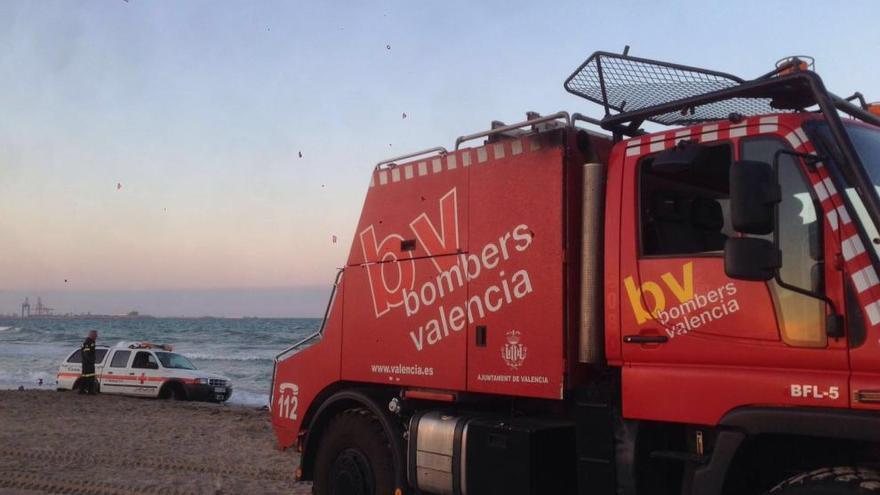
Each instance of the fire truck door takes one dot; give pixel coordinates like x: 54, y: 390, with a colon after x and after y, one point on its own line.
x: 697, y: 343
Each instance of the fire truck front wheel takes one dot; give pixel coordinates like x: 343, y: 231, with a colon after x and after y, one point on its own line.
x: 354, y: 457
x: 831, y: 481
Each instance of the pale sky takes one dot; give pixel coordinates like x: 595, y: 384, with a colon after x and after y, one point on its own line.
x: 199, y: 111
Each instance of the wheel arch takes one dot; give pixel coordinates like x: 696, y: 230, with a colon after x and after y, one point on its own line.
x: 748, y: 430
x: 340, y: 397
x: 169, y: 385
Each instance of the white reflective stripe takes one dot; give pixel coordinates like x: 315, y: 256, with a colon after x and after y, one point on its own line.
x: 658, y: 143
x: 383, y: 177
x: 852, y: 247
x: 793, y: 140
x: 819, y: 187
x: 395, y: 174
x: 450, y: 162
x: 499, y: 151
x: 423, y: 168
x: 873, y: 311
x: 710, y: 133
x: 832, y: 219
x: 738, y: 130
x: 516, y: 147
x: 829, y: 185
x: 844, y: 216
x: 768, y: 124
x: 408, y: 172
x: 634, y: 147
x: 436, y: 166
x: 682, y: 135
x: 865, y: 279
x: 803, y: 135
x: 481, y: 155
x: 466, y: 159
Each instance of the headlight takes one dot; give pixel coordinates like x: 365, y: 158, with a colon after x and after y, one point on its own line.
x: 204, y: 381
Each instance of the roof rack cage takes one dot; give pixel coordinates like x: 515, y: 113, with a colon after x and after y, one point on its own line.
x: 624, y: 84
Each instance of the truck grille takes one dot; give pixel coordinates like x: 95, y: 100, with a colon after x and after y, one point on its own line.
x: 217, y: 383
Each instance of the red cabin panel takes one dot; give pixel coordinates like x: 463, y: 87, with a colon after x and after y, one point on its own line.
x: 423, y: 201
x: 421, y: 342
x: 516, y: 268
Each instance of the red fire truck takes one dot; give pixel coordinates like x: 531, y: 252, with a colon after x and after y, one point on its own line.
x: 561, y: 310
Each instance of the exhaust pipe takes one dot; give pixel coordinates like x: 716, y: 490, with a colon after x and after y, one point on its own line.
x: 591, y: 345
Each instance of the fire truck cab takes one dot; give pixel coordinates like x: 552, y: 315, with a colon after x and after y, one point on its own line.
x: 688, y: 311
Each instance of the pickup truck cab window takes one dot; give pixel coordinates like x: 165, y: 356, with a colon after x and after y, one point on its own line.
x: 120, y: 359
x: 76, y: 357
x: 145, y: 360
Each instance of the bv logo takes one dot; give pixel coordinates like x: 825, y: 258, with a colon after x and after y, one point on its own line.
x: 683, y: 292
x: 288, y: 400
x: 391, y: 275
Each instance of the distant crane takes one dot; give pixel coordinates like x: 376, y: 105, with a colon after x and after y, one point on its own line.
x: 42, y: 310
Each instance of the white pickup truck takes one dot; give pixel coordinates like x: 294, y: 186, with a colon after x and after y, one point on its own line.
x: 145, y: 370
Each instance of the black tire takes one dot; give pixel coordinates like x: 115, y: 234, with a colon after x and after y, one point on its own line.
x: 831, y: 481
x: 173, y: 391
x: 354, y: 457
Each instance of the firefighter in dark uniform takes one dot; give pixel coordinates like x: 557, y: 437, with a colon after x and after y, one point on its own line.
x: 88, y: 385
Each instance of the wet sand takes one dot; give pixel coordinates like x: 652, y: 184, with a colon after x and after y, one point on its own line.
x: 62, y: 442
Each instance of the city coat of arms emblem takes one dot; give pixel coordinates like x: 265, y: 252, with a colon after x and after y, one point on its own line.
x: 513, y: 351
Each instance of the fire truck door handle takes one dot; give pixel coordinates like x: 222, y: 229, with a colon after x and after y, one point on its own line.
x: 645, y: 339
x: 481, y: 335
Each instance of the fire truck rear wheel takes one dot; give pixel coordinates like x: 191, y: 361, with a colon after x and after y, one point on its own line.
x: 831, y: 481
x: 354, y: 457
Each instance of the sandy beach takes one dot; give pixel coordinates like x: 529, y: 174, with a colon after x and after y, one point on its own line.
x: 62, y: 442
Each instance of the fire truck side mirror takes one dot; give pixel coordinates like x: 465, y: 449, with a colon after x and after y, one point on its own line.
x: 754, y: 193
x: 751, y: 258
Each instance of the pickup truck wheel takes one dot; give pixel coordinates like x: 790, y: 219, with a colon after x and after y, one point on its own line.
x: 354, y: 457
x: 173, y: 391
x: 831, y: 481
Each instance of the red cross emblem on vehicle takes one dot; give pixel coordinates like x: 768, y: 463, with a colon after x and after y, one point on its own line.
x: 143, y: 378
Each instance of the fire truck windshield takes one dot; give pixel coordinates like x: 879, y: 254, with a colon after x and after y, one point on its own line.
x: 866, y: 141
x: 867, y: 144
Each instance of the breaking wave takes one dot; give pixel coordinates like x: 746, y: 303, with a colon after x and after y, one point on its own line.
x: 224, y: 357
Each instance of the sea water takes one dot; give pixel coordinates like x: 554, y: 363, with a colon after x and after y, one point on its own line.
x: 241, y: 349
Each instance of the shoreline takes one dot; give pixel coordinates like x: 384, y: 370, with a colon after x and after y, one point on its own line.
x: 240, y: 398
